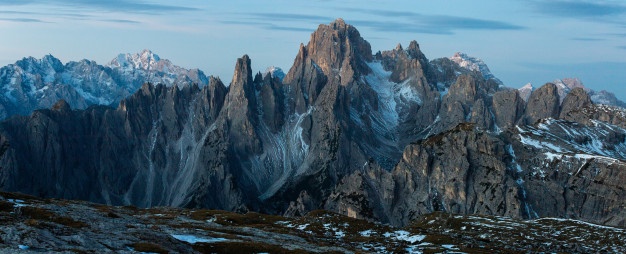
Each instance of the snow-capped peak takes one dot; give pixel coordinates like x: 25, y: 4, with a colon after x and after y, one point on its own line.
x: 473, y: 64
x: 528, y: 86
x: 142, y: 60
x: 276, y: 72
x: 525, y: 91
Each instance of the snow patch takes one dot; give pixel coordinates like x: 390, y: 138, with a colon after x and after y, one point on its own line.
x: 366, y: 233
x: 402, y: 235
x: 194, y: 239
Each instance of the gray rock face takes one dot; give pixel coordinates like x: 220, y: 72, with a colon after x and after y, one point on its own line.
x: 566, y: 85
x: 458, y: 171
x: 508, y: 107
x: 576, y: 100
x: 543, y: 103
x: 385, y: 137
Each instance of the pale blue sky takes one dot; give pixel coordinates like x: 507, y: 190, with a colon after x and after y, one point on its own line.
x: 521, y: 41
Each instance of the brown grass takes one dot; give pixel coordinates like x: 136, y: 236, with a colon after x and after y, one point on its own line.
x: 6, y: 206
x: 46, y: 215
x: 242, y: 247
x: 148, y: 247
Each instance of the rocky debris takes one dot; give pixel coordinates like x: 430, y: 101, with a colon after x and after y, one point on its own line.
x: 29, y: 224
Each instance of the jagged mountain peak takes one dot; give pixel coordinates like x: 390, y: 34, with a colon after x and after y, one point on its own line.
x: 474, y: 64
x: 47, y: 63
x: 275, y: 72
x: 525, y: 91
x: 243, y: 71
x: 566, y: 85
x: 144, y: 59
x: 339, y: 50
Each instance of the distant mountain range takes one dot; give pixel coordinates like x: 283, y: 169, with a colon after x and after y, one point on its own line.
x: 387, y: 136
x: 31, y: 83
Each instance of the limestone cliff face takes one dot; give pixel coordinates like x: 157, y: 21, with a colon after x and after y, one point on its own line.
x: 385, y: 137
x: 468, y: 171
x: 459, y: 171
x: 543, y: 103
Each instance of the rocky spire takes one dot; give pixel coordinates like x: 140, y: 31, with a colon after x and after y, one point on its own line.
x: 339, y: 50
x: 575, y: 100
x: 543, y: 103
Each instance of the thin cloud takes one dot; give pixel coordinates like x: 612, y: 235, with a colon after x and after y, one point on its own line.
x: 464, y: 23
x: 621, y: 47
x: 123, y: 21
x: 575, y: 9
x: 431, y: 24
x: 412, y: 22
x: 383, y: 13
x: 291, y: 29
x: 18, y: 12
x: 400, y: 27
x: 290, y: 17
x: 24, y: 20
x: 268, y: 26
x: 586, y: 39
x: 111, y: 5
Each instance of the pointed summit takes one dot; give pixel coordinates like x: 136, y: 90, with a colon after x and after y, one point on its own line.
x: 142, y: 60
x: 339, y: 50
x: 525, y: 91
x: 243, y: 71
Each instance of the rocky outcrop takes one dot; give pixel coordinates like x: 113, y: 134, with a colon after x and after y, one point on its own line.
x: 543, y: 103
x: 458, y: 171
x: 576, y: 100
x: 508, y: 107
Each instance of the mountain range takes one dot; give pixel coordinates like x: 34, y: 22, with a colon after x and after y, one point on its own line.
x: 32, y: 84
x: 385, y: 136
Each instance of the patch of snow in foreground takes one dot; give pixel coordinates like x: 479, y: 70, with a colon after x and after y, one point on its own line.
x: 23, y: 247
x: 449, y: 246
x: 194, y: 239
x: 413, y: 250
x: 402, y: 235
x: 339, y: 234
x: 583, y: 223
x: 367, y: 233
x: 17, y: 202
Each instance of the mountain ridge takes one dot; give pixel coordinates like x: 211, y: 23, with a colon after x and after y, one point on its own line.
x: 386, y: 137
x: 31, y: 83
